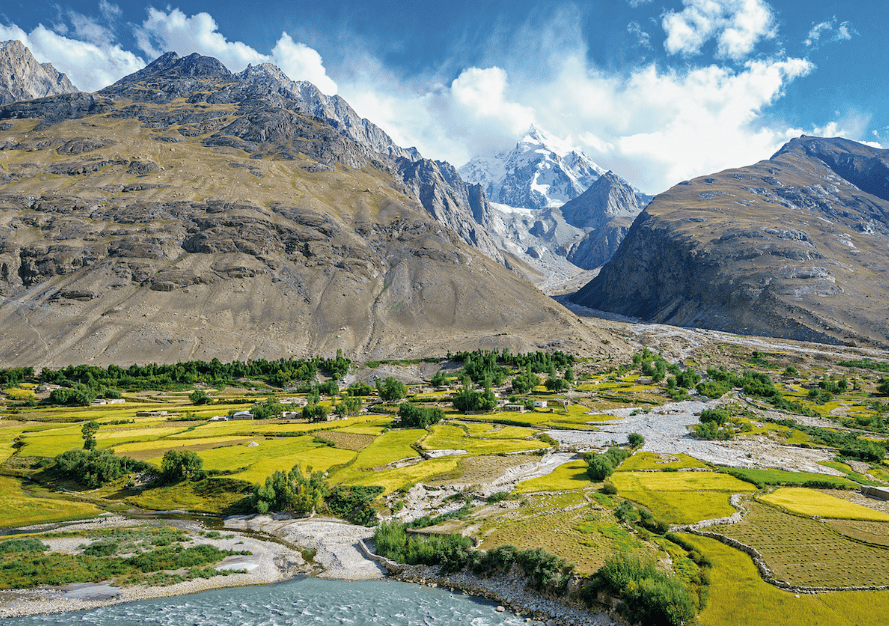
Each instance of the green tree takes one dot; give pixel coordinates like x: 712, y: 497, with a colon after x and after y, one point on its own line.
x: 88, y: 432
x: 598, y: 466
x: 199, y: 396
x: 269, y: 409
x: 636, y: 440
x: 391, y: 390
x: 526, y: 381
x: 569, y: 374
x: 294, y: 491
x: 883, y: 387
x: 178, y: 465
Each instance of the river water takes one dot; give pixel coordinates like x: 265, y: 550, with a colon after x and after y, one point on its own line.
x: 310, y: 601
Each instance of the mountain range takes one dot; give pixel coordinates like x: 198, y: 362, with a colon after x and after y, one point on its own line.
x: 188, y: 212
x: 554, y: 207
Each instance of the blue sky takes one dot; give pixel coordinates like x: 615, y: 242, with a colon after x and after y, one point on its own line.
x: 658, y: 90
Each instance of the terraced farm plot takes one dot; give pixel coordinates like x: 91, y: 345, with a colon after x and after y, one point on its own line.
x: 807, y: 552
x: 561, y: 525
x: 739, y: 597
x: 568, y: 476
x: 868, y: 532
x: 271, y: 455
x: 391, y: 480
x: 683, y: 507
x: 22, y: 509
x: 657, y: 461
x: 347, y: 441
x: 388, y: 448
x: 209, y: 496
x: 679, y: 481
x: 820, y: 504
x: 450, y: 437
x: 475, y: 470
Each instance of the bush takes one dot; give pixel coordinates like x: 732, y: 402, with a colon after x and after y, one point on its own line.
x: 354, y: 504
x: 716, y: 416
x: 439, y: 379
x: 294, y: 492
x: 713, y: 389
x: 636, y: 440
x: 22, y: 545
x: 650, y: 596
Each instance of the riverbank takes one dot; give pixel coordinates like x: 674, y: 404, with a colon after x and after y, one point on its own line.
x: 270, y: 562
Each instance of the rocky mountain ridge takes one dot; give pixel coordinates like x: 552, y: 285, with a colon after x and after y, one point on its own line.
x: 794, y: 246
x: 184, y: 213
x: 23, y: 78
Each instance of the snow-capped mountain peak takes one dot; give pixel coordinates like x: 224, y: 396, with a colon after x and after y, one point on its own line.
x: 541, y: 171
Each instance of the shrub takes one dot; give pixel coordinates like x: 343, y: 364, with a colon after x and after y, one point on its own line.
x: 650, y: 596
x: 716, y: 416
x: 22, y: 545
x: 636, y: 440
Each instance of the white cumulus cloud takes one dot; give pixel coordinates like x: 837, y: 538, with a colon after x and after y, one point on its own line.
x: 736, y: 26
x: 90, y: 65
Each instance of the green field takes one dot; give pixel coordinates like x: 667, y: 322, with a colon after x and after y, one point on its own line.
x: 21, y: 509
x: 783, y: 477
x: 568, y: 476
x: 683, y: 507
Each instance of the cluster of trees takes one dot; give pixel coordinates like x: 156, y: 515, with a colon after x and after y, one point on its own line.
x: 269, y: 409
x: 601, y: 465
x: 495, y: 365
x: 412, y: 416
x: 525, y: 381
x: 94, y: 468
x: 279, y: 373
x: 294, y: 492
x: 307, y: 492
x: 467, y: 399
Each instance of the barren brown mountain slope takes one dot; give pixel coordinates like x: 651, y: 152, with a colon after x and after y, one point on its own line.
x: 796, y: 247
x: 183, y: 213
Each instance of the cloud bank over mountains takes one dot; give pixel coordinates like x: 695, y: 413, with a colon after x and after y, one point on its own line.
x: 655, y: 123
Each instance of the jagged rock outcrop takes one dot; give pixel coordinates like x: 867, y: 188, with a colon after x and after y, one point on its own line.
x: 794, y: 247
x: 23, y: 78
x: 332, y: 109
x: 605, y: 211
x: 191, y: 214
